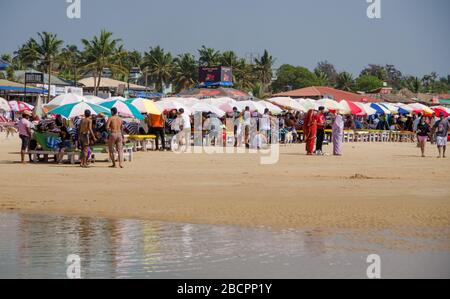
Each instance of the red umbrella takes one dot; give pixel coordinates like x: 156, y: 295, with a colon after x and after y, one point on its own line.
x: 351, y: 108
x: 18, y: 106
x: 439, y: 109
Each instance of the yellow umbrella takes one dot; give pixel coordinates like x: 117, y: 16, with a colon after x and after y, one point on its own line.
x: 145, y: 106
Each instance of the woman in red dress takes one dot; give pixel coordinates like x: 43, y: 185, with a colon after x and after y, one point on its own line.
x: 310, y: 130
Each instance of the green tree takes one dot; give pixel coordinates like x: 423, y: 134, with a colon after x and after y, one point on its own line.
x: 70, y: 62
x: 208, y: 57
x: 186, y: 71
x: 322, y: 78
x: 414, y: 84
x: 376, y: 71
x: 328, y: 69
x: 101, y: 53
x: 291, y: 77
x: 263, y: 68
x: 345, y: 81
x: 45, y: 50
x: 368, y: 83
x: 160, y: 66
x: 244, y: 74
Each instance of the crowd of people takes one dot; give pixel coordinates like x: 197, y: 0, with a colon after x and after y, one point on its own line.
x: 246, y: 128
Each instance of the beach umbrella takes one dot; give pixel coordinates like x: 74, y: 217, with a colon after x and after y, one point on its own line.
x: 349, y: 107
x: 124, y: 109
x: 380, y: 108
x: 254, y: 106
x: 78, y: 109
x: 392, y: 108
x: 226, y: 107
x: 329, y: 104
x: 365, y: 108
x: 188, y: 102
x: 272, y: 108
x: 204, y: 107
x: 308, y: 104
x: 39, y: 108
x: 94, y: 100
x: 64, y: 99
x: 4, y: 106
x: 219, y: 101
x: 421, y: 108
x: 145, y: 106
x: 288, y: 103
x: 170, y: 104
x: 18, y: 106
x: 402, y: 109
x: 122, y: 99
x: 440, y: 109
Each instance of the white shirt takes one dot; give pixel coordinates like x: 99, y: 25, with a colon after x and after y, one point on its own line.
x: 247, y: 118
x: 265, y: 122
x: 185, y: 121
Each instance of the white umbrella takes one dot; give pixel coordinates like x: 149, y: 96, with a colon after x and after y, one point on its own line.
x: 4, y: 106
x: 272, y: 108
x: 366, y: 109
x: 330, y: 104
x: 288, y: 103
x: 204, y: 107
x: 64, y: 99
x: 170, y: 104
x: 308, y: 104
x: 254, y: 106
x: 390, y: 107
x: 94, y: 100
x: 115, y: 99
x: 220, y: 101
x: 188, y: 102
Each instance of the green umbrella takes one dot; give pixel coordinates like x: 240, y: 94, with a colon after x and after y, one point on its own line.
x: 78, y: 109
x: 124, y: 109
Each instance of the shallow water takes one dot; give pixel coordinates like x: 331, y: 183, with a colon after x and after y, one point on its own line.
x: 33, y: 246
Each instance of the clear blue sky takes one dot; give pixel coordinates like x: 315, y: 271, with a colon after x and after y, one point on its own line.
x: 412, y: 34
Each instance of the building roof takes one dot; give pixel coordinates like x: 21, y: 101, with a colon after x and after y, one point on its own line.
x: 20, y: 77
x: 6, y: 85
x: 109, y: 83
x: 322, y: 91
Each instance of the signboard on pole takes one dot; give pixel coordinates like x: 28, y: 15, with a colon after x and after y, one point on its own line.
x: 34, y: 78
x: 215, y: 74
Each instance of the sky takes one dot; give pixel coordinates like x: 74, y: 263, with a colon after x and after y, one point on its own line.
x: 411, y: 34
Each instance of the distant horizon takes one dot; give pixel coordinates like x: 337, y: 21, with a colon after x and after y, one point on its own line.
x: 411, y: 35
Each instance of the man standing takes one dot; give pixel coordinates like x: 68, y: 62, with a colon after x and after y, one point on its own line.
x: 157, y: 124
x: 415, y: 125
x: 115, y: 130
x: 85, y: 135
x: 441, y: 128
x: 320, y: 119
x: 185, y: 127
x: 24, y: 126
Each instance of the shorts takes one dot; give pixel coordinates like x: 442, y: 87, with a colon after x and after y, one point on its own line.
x: 441, y: 141
x: 422, y: 138
x: 25, y: 143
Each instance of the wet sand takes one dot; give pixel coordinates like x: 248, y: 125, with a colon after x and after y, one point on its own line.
x: 373, y: 186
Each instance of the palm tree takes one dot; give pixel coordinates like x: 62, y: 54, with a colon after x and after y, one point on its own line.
x: 45, y: 50
x: 26, y: 56
x: 414, y: 84
x: 322, y: 78
x: 244, y: 74
x: 345, y: 81
x: 101, y: 53
x: 69, y: 62
x: 263, y: 68
x: 186, y: 71
x: 160, y: 65
x: 208, y: 57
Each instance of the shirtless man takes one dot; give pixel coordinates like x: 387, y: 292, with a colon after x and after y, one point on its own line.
x: 114, y: 127
x: 85, y: 135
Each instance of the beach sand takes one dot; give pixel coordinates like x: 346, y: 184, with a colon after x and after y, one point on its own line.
x: 373, y: 186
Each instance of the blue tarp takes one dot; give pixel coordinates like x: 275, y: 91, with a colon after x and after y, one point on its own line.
x: 22, y: 89
x: 222, y: 83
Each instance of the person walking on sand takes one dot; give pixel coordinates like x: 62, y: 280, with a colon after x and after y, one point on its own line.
x: 24, y: 125
x: 338, y: 134
x: 423, y: 131
x: 85, y: 135
x: 115, y: 130
x: 310, y: 131
x: 441, y: 128
x: 320, y: 119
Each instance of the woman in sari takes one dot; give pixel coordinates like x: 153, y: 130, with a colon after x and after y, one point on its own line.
x: 338, y: 134
x: 310, y: 130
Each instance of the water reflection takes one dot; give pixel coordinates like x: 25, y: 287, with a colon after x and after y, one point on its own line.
x: 37, y: 247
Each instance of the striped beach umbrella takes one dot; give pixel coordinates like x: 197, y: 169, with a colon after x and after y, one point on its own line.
x: 64, y: 99
x: 145, y: 106
x: 366, y: 109
x: 77, y: 109
x: 349, y: 107
x: 4, y: 106
x: 18, y: 106
x: 380, y: 108
x: 124, y: 109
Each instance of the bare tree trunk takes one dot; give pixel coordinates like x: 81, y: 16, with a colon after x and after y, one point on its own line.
x: 95, y: 83
x: 99, y: 80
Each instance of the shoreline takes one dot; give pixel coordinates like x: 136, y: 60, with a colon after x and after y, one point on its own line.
x: 386, y: 189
